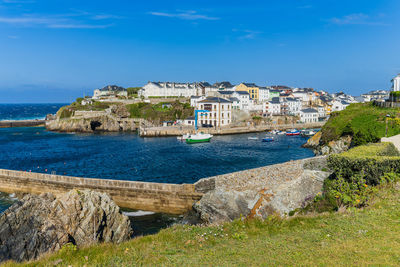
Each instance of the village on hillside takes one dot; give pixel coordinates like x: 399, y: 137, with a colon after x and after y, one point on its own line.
x: 224, y: 100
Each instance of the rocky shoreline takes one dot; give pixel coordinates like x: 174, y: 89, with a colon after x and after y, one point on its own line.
x: 39, y: 224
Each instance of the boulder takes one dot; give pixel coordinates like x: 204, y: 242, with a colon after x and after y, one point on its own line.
x: 276, y: 189
x: 40, y: 224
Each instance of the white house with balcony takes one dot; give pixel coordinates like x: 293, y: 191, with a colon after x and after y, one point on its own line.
x: 308, y: 115
x: 339, y: 105
x: 272, y: 107
x: 220, y: 111
x: 263, y: 94
x: 294, y: 105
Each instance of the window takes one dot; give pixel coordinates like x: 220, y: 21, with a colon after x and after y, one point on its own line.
x: 228, y: 115
x: 215, y: 107
x: 222, y: 107
x: 222, y: 121
x: 222, y: 115
x: 208, y: 107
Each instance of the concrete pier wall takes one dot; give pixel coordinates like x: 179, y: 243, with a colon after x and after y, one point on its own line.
x: 157, y: 197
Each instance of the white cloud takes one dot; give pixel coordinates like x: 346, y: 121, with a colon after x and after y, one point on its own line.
x: 62, y: 21
x: 79, y: 26
x: 357, y: 19
x: 247, y: 34
x: 185, y: 15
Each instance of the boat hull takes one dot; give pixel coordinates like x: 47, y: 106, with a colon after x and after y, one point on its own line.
x: 194, y: 141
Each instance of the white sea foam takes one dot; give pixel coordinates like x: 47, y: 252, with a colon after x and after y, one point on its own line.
x: 137, y: 213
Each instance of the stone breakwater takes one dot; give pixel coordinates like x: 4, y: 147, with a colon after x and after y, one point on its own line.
x: 276, y: 189
x: 181, y: 130
x: 21, y: 123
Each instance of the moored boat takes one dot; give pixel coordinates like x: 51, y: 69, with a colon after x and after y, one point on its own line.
x: 308, y: 133
x: 252, y: 138
x: 293, y: 132
x: 268, y: 139
x: 198, y: 138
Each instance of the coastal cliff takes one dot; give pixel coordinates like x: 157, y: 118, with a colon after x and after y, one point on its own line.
x: 103, y: 123
x: 45, y: 223
x: 114, y: 118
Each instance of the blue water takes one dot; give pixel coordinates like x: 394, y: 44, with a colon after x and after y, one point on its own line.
x: 130, y: 157
x: 27, y: 111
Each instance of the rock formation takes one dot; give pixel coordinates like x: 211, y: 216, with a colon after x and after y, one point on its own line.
x: 105, y: 123
x: 335, y: 147
x: 276, y: 189
x: 40, y: 224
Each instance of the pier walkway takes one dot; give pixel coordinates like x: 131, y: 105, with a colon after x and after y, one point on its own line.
x: 156, y: 197
x: 181, y: 130
x: 21, y: 123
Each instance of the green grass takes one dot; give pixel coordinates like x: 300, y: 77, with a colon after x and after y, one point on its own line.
x: 156, y: 113
x: 372, y: 150
x: 364, y: 118
x: 369, y: 236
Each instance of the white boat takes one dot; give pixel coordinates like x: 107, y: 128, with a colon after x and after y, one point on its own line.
x: 198, y: 138
x: 252, y: 138
x: 274, y: 132
x: 281, y: 133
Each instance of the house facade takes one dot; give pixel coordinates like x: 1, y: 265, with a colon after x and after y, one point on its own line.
x: 251, y: 88
x: 263, y: 94
x: 110, y: 91
x: 294, y: 105
x: 396, y: 83
x: 173, y: 89
x: 220, y: 111
x: 272, y: 107
x: 308, y: 115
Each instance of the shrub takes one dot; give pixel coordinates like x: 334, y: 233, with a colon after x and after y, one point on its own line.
x: 371, y: 161
x: 353, y: 192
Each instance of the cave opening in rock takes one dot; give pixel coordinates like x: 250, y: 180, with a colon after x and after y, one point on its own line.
x: 94, y: 125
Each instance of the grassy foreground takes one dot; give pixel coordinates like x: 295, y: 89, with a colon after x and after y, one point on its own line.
x: 369, y: 236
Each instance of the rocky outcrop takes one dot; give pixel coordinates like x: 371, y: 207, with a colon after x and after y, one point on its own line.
x: 105, y: 123
x: 41, y: 224
x: 276, y: 189
x: 333, y: 147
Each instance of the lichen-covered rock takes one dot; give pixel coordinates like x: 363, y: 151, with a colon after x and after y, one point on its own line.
x: 276, y: 189
x: 333, y: 147
x: 105, y: 123
x: 40, y: 224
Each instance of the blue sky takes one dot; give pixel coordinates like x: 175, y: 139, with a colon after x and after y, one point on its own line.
x: 55, y: 51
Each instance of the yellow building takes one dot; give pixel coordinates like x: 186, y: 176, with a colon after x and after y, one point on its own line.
x: 251, y: 88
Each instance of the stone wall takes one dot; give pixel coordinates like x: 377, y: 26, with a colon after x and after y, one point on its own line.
x: 275, y: 189
x: 157, y: 197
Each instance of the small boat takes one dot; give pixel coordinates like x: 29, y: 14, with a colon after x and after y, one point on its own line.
x: 308, y: 133
x: 274, y: 132
x: 281, y: 133
x: 293, y: 132
x: 252, y: 138
x: 198, y: 138
x: 268, y: 139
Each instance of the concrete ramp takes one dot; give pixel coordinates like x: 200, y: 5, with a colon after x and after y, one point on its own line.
x: 394, y: 139
x: 156, y: 197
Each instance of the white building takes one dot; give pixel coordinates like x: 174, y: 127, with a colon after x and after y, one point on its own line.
x: 220, y: 111
x: 110, y: 91
x: 195, y: 99
x: 294, y: 105
x: 396, y: 83
x: 272, y: 107
x: 263, y: 94
x: 303, y: 96
x: 172, y: 89
x: 338, y: 105
x: 235, y: 102
x: 321, y: 111
x: 244, y: 99
x: 308, y: 115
